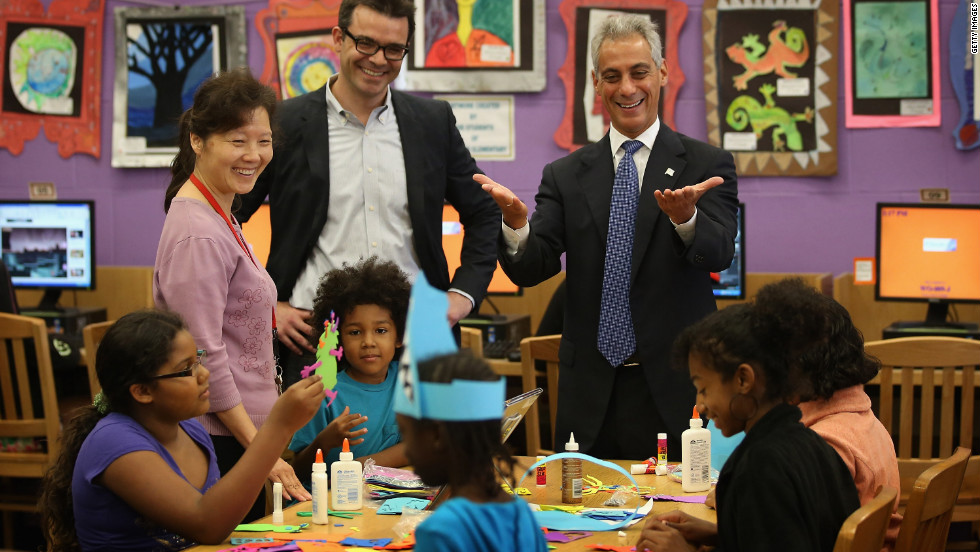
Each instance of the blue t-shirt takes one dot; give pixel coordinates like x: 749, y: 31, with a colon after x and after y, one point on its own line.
x: 102, y: 520
x: 376, y: 401
x: 464, y: 526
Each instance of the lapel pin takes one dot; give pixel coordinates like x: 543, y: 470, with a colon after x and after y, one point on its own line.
x: 669, y: 172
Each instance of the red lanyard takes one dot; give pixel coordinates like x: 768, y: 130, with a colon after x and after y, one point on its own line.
x: 217, y: 208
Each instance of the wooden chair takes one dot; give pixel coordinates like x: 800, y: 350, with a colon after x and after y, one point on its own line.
x: 539, y: 348
x: 930, y: 507
x: 472, y: 339
x: 916, y: 369
x: 28, y: 413
x: 91, y: 336
x: 864, y: 530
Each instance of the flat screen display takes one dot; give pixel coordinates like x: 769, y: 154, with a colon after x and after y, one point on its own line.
x: 730, y: 283
x: 49, y: 244
x: 928, y: 252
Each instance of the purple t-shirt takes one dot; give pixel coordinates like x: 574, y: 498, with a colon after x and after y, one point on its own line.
x: 102, y: 520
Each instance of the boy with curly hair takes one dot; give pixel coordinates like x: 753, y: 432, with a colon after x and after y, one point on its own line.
x: 371, y: 300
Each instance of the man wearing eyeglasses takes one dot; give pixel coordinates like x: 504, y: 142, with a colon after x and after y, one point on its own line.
x: 360, y: 170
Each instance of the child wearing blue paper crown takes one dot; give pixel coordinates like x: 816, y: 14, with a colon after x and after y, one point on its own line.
x: 370, y: 299
x: 462, y: 454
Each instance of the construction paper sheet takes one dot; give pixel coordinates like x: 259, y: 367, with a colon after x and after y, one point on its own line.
x: 566, y: 536
x: 393, y: 506
x: 270, y: 527
x: 307, y: 546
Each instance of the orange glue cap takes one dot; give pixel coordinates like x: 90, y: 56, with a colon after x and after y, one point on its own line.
x: 319, y: 456
x: 346, y: 446
x: 696, y: 415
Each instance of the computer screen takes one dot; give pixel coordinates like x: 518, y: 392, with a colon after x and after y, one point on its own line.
x: 730, y: 283
x: 49, y: 245
x: 928, y: 253
x: 452, y: 245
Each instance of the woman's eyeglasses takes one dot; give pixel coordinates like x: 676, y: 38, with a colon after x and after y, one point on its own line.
x: 368, y: 47
x: 186, y: 372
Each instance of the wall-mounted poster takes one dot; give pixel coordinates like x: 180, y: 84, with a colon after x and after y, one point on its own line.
x: 477, y: 46
x: 52, y: 74
x: 891, y: 63
x: 770, y: 82
x: 586, y: 120
x: 299, y: 46
x: 162, y: 56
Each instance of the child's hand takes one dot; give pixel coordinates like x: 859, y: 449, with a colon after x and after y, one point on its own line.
x: 693, y: 530
x: 298, y: 403
x: 658, y: 537
x: 341, y: 427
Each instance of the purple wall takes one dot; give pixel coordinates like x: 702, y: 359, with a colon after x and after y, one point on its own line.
x: 793, y: 224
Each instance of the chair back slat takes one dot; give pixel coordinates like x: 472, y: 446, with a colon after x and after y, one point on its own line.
x: 7, y: 385
x: 26, y: 402
x: 926, y: 417
x: 969, y: 382
x: 906, y: 404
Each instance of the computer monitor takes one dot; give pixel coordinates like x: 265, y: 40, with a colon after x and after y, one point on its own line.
x: 730, y: 283
x: 49, y: 245
x: 452, y: 245
x: 928, y: 253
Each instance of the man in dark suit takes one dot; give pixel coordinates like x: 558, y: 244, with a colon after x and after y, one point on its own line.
x: 683, y: 228
x: 361, y: 170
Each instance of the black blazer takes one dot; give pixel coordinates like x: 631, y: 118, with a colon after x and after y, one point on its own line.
x: 438, y: 168
x: 670, y: 286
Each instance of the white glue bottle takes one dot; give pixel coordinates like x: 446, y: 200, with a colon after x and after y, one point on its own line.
x: 571, y: 475
x: 319, y: 489
x: 345, y: 480
x: 696, y: 456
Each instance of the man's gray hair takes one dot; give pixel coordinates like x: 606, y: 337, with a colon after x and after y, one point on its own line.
x: 623, y: 26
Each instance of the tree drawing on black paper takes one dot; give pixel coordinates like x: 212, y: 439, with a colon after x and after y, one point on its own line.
x: 167, y: 61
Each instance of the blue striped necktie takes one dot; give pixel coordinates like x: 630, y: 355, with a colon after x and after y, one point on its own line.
x: 616, y: 339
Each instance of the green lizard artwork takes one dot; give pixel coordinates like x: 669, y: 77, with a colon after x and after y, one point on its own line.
x: 791, y: 51
x: 746, y: 110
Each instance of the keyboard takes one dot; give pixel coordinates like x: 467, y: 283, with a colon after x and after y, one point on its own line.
x: 503, y: 348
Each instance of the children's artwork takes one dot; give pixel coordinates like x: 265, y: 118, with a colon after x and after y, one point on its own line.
x: 299, y: 47
x: 162, y: 56
x: 770, y: 80
x: 891, y: 63
x: 52, y: 71
x: 964, y: 59
x: 305, y: 60
x: 328, y: 354
x: 586, y: 120
x: 477, y: 46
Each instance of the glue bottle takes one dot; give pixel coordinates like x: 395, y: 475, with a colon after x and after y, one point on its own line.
x: 571, y: 475
x: 696, y: 456
x: 345, y: 479
x: 319, y: 489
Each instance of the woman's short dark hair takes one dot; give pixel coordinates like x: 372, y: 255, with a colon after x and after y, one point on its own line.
x: 223, y: 102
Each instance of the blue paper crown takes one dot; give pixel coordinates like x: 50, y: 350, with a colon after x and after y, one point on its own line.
x: 427, y: 335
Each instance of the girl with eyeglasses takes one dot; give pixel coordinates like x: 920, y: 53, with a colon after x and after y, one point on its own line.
x: 136, y: 470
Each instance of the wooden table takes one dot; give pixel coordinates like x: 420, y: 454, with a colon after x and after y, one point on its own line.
x: 372, y: 526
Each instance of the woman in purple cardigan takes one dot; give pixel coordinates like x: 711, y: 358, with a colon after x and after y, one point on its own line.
x: 206, y: 271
